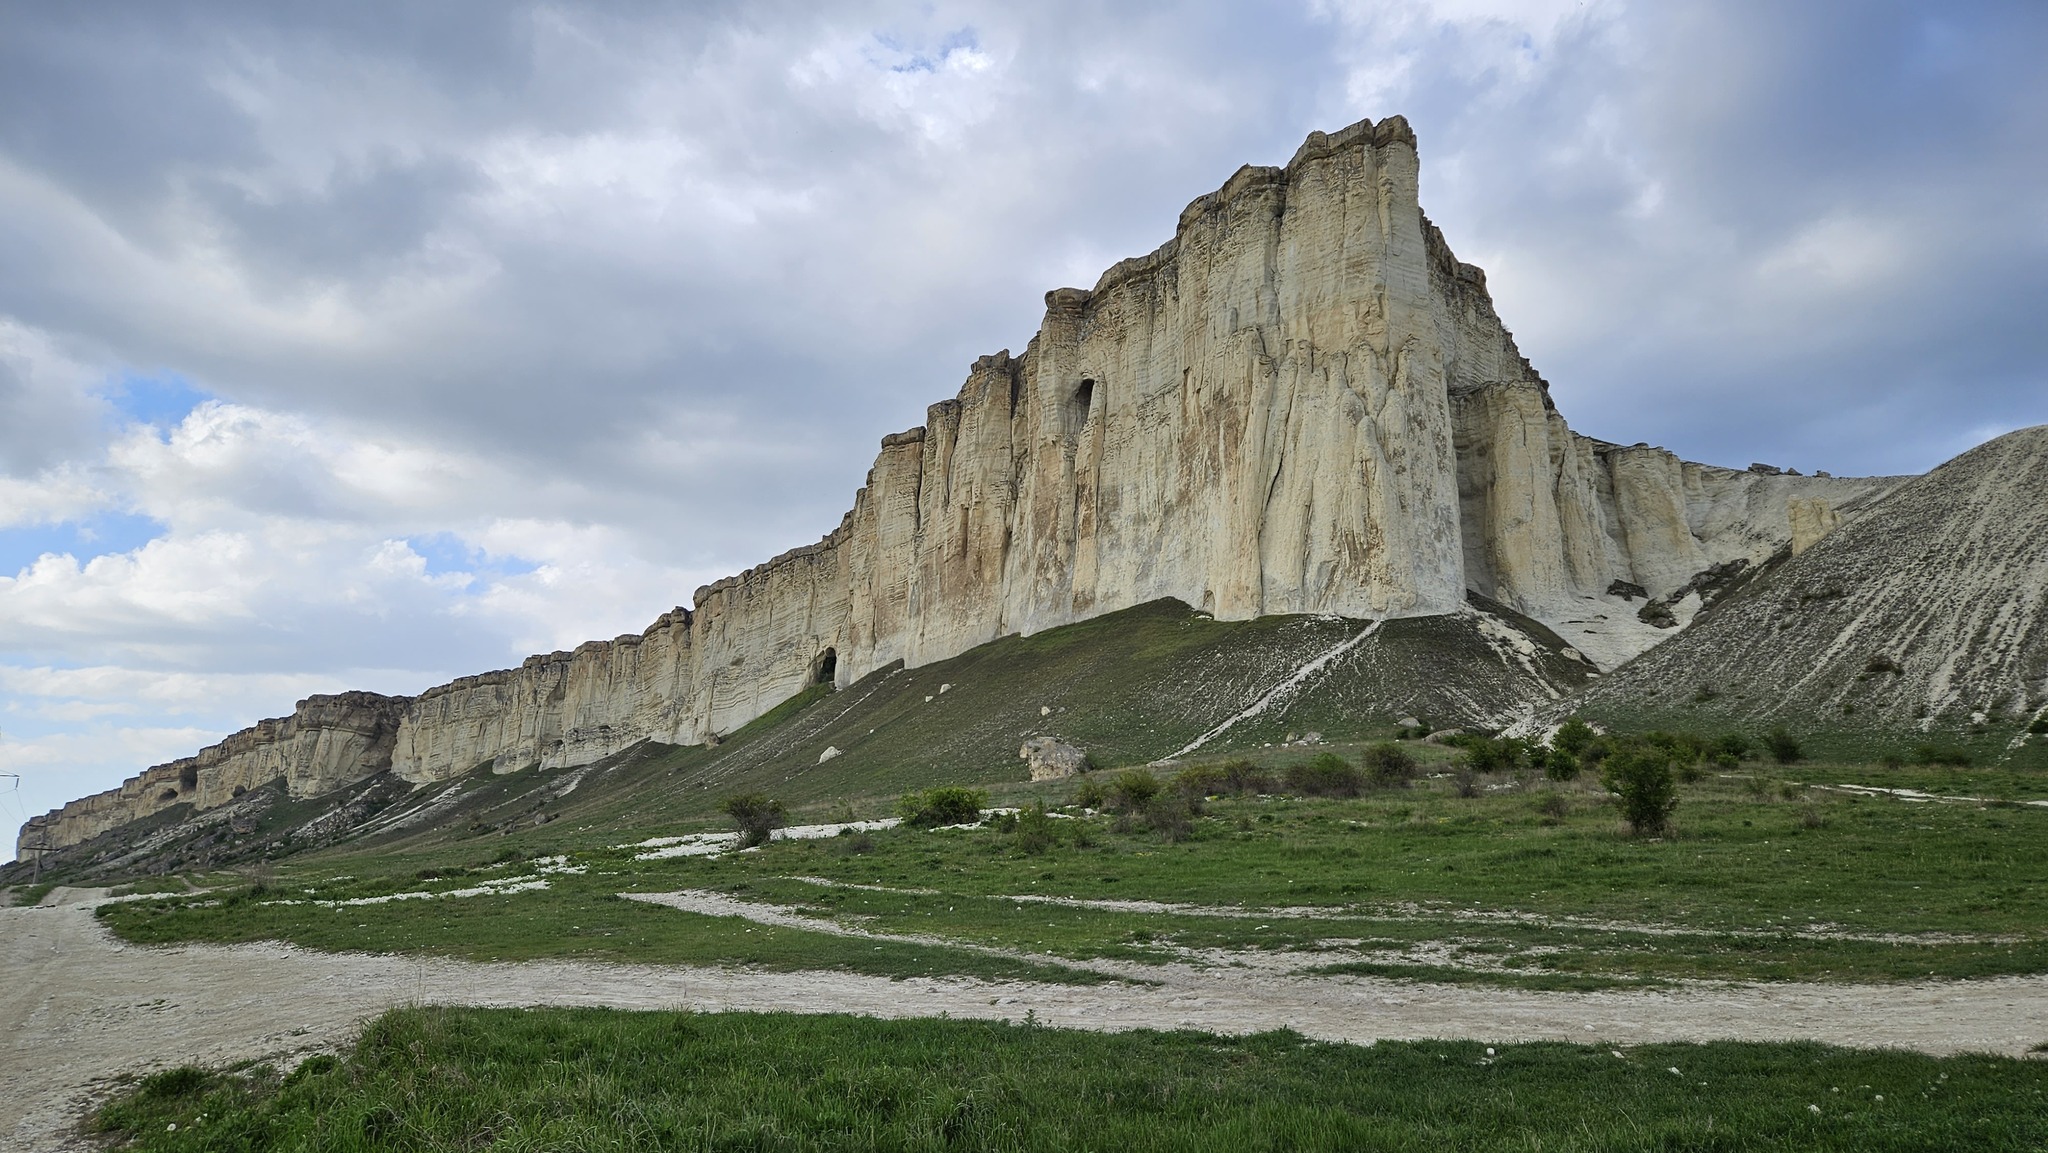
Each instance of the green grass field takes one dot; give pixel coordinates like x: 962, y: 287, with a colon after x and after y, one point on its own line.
x: 597, y: 1080
x: 1530, y: 884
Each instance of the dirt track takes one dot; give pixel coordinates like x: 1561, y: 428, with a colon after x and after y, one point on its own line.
x: 79, y: 1008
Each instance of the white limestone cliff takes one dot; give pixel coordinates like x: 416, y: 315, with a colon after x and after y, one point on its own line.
x: 327, y: 742
x: 1301, y: 403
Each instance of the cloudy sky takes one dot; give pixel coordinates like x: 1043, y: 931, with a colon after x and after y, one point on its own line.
x: 366, y: 345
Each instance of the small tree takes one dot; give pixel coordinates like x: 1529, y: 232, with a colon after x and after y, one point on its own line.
x: 1559, y: 765
x: 757, y: 816
x: 1640, y: 777
x: 1573, y: 738
x: 1784, y: 748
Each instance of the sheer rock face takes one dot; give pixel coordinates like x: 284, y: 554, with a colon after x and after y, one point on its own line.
x: 1551, y: 519
x: 327, y: 742
x: 1302, y: 403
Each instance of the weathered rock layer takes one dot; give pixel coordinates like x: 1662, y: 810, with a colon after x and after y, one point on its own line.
x: 327, y: 742
x: 1930, y: 611
x: 1302, y: 403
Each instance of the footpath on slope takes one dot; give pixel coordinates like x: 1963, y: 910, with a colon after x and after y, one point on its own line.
x: 80, y: 1008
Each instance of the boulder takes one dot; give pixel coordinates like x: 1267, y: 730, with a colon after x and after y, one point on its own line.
x: 1051, y: 758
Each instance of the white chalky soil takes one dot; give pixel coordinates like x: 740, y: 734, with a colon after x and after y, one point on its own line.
x: 80, y: 1008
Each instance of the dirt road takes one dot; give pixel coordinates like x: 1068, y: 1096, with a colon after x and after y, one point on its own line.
x: 79, y: 1008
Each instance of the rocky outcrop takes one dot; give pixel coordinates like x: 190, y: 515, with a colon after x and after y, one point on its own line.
x: 1301, y: 403
x: 327, y: 742
x: 1571, y: 530
x: 1929, y: 611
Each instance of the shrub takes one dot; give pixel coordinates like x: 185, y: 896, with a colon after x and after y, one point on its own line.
x: 1936, y: 755
x: 1640, y: 778
x: 1492, y: 754
x: 1553, y: 808
x: 1466, y: 783
x: 1389, y: 766
x: 946, y: 805
x: 1685, y: 748
x: 1132, y: 790
x: 1782, y: 745
x: 1091, y: 794
x: 756, y: 815
x: 1732, y: 745
x: 2039, y: 727
x: 1169, y: 815
x: 1241, y: 777
x: 1559, y: 765
x: 1727, y: 761
x: 1327, y: 776
x: 1573, y: 737
x: 1199, y: 784
x: 1035, y: 830
x: 853, y: 842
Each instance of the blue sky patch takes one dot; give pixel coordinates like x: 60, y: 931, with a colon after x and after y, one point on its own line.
x: 161, y: 399
x: 964, y: 39
x: 97, y: 535
x: 446, y: 553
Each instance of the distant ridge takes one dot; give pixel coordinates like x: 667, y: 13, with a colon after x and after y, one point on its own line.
x: 1929, y: 613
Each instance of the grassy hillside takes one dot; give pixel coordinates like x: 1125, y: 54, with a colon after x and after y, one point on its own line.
x: 1128, y: 688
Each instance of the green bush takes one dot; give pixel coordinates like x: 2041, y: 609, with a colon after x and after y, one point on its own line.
x: 757, y: 816
x: 1388, y: 766
x: 1558, y: 764
x: 1170, y: 816
x: 1732, y: 745
x: 1573, y: 737
x: 1035, y: 830
x: 1090, y: 794
x: 945, y: 805
x: 1327, y: 776
x: 1493, y: 754
x: 1640, y: 777
x: 1243, y: 778
x: 1199, y: 784
x: 1937, y: 755
x: 1132, y: 790
x: 1782, y: 745
x: 2039, y: 727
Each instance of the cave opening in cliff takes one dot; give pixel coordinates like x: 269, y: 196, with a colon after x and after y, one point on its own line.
x: 1075, y: 416
x: 188, y: 778
x: 825, y: 668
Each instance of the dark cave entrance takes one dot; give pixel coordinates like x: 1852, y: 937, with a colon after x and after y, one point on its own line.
x: 188, y: 778
x: 825, y: 667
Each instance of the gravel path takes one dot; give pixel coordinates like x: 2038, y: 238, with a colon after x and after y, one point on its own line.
x: 79, y: 1008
